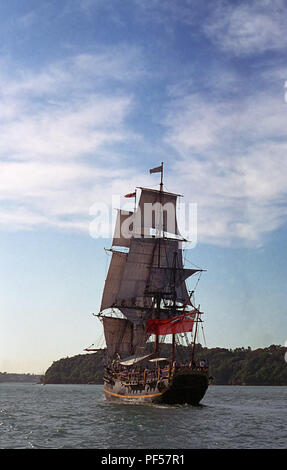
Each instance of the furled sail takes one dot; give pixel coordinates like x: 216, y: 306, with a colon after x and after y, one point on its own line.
x: 118, y: 335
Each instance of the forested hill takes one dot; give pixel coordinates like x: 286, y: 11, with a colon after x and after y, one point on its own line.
x: 227, y: 367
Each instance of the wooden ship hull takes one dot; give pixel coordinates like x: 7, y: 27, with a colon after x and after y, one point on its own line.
x: 185, y: 387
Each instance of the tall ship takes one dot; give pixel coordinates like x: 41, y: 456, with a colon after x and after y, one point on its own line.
x: 146, y: 307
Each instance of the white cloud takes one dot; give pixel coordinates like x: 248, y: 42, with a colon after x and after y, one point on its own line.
x: 79, y: 73
x: 65, y: 130
x: 57, y: 135
x: 248, y: 27
x: 240, y: 28
x: 62, y: 128
x: 232, y: 162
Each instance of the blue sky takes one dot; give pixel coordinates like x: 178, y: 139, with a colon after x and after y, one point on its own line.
x: 93, y: 93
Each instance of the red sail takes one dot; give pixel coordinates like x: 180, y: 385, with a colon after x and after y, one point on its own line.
x: 181, y: 324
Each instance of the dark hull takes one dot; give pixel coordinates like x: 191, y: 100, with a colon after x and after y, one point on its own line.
x: 184, y: 387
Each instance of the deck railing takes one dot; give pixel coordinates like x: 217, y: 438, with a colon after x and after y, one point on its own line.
x: 150, y: 375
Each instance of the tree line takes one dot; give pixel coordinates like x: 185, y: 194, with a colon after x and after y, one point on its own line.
x: 240, y: 366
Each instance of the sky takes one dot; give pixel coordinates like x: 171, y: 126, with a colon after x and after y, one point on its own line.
x: 94, y: 93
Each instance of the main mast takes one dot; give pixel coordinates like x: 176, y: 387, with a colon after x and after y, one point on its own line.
x: 160, y: 232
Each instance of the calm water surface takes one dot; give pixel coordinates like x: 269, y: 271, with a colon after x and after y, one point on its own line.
x: 78, y: 416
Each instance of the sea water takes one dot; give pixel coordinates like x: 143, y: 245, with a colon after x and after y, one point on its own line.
x: 79, y: 417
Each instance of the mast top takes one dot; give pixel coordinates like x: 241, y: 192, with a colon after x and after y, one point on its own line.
x: 158, y: 169
x: 161, y: 178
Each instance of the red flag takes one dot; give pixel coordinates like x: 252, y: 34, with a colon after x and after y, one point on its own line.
x: 130, y: 195
x: 157, y: 169
x: 180, y: 324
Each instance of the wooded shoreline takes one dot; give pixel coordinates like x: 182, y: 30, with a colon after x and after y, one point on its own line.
x: 264, y: 366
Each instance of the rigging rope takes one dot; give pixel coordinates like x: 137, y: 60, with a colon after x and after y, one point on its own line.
x: 203, y: 336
